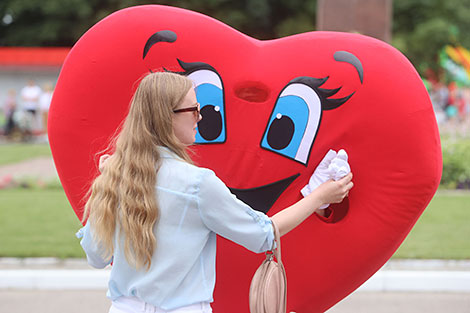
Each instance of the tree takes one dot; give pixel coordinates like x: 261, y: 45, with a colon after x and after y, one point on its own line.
x: 421, y: 28
x: 47, y: 23
x: 62, y: 22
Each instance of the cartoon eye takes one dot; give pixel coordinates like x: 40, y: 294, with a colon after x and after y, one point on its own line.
x: 210, y: 95
x: 294, y: 122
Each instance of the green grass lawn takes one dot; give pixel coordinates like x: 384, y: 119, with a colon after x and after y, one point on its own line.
x: 40, y: 223
x: 13, y: 153
x: 37, y: 223
x: 443, y: 231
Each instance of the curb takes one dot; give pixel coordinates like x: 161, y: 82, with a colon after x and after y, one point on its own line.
x: 54, y: 279
x: 395, y: 275
x: 418, y: 281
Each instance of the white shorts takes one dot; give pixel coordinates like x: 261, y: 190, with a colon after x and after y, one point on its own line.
x: 135, y: 305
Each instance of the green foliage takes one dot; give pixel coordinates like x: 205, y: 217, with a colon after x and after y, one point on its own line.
x: 36, y: 23
x: 421, y: 28
x: 294, y: 25
x: 456, y: 164
x: 62, y: 22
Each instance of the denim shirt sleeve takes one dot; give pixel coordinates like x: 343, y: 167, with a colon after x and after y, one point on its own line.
x: 231, y: 218
x: 91, y: 248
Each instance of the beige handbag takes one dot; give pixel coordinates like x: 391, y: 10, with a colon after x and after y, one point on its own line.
x: 268, y: 289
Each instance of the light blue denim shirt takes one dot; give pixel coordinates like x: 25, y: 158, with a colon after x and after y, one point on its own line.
x: 195, y: 206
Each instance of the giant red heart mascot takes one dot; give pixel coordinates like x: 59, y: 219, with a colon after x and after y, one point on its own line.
x: 271, y: 110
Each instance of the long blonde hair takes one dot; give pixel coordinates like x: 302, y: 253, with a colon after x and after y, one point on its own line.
x: 124, y: 193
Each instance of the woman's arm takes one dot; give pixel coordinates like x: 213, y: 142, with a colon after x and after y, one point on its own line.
x: 92, y: 250
x: 328, y: 192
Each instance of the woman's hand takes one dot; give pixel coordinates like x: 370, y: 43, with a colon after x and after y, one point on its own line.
x: 329, y: 192
x: 102, y: 161
x: 334, y: 191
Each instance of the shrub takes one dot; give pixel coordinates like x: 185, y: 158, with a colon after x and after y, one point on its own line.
x: 456, y: 162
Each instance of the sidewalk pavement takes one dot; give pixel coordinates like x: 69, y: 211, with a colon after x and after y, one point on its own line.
x: 95, y: 301
x: 40, y: 167
x: 49, y: 285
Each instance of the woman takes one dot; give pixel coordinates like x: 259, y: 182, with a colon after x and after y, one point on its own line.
x: 155, y: 215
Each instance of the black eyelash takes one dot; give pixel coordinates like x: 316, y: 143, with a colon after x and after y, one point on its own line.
x: 189, y: 67
x: 176, y: 72
x: 323, y: 94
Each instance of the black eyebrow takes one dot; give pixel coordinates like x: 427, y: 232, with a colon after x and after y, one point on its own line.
x: 161, y: 36
x: 323, y: 94
x: 348, y: 57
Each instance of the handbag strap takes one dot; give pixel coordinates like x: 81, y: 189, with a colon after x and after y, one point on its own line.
x: 277, y: 238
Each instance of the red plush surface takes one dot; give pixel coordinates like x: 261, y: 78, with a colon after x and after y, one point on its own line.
x: 387, y: 127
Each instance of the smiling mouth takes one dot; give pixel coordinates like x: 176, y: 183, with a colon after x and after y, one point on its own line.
x: 263, y: 197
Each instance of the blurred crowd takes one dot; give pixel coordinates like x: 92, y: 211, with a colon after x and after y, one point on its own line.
x: 452, y: 107
x: 25, y: 112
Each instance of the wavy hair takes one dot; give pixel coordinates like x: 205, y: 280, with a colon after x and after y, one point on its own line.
x: 124, y: 193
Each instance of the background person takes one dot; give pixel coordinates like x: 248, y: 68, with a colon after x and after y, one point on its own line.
x: 9, y: 108
x: 30, y: 100
x: 44, y: 104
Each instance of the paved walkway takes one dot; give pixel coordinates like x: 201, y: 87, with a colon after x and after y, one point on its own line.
x: 95, y: 301
x: 41, y: 167
x: 401, y: 302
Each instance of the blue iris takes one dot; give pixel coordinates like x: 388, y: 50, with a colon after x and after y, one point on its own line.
x: 286, y: 126
x: 211, y: 129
